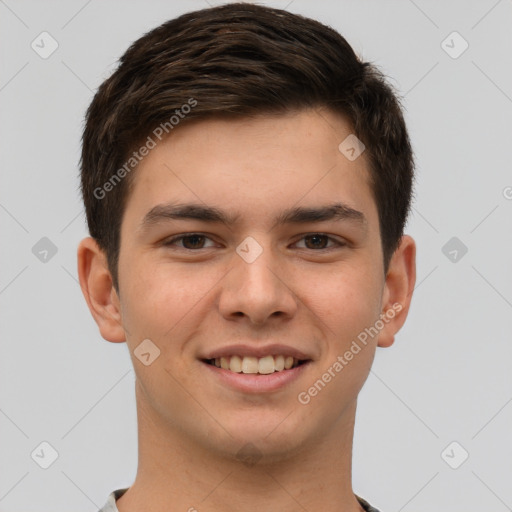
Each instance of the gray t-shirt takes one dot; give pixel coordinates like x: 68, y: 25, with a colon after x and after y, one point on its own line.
x: 110, y: 506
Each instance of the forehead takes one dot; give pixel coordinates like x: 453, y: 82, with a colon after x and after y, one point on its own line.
x: 253, y: 168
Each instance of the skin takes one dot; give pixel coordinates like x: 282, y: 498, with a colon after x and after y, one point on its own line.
x: 188, y: 301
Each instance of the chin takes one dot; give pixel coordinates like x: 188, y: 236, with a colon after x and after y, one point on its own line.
x: 268, y: 451
x: 273, y: 435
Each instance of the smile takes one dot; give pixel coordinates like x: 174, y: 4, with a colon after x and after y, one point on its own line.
x: 256, y: 365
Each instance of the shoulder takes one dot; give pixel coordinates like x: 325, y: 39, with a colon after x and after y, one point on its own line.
x: 367, y: 507
x: 110, y: 505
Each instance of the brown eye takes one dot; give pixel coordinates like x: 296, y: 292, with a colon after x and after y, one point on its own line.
x: 319, y: 241
x: 316, y: 241
x: 193, y: 241
x: 190, y: 241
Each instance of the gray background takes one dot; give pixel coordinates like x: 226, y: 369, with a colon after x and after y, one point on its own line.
x: 447, y: 378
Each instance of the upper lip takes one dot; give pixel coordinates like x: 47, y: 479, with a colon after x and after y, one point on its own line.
x: 259, y: 351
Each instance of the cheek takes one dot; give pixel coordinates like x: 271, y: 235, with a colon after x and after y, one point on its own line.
x: 163, y: 301
x: 346, y: 299
x: 347, y: 303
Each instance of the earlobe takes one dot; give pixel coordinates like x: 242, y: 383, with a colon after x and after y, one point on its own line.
x: 398, y: 289
x: 100, y: 295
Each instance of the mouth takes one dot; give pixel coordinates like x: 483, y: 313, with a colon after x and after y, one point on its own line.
x: 256, y: 365
x: 255, y: 370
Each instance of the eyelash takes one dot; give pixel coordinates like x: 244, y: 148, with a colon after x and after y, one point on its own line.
x: 171, y: 241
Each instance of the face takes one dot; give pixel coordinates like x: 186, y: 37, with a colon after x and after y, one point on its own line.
x: 278, y: 263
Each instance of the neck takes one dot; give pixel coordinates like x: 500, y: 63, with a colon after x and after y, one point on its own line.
x: 175, y: 474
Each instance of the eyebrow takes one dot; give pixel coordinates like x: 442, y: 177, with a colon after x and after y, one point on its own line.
x: 296, y: 215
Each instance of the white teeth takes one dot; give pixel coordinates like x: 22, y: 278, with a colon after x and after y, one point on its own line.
x: 266, y: 365
x: 248, y: 364
x: 235, y: 364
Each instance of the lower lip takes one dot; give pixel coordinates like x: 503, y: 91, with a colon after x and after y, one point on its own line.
x: 254, y: 382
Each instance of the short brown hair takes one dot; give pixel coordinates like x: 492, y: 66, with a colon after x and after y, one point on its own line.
x: 239, y: 60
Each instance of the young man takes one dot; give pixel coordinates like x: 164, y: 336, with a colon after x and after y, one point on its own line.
x: 246, y: 180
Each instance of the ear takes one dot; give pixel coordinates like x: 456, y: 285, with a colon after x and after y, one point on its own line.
x: 99, y: 292
x: 398, y: 288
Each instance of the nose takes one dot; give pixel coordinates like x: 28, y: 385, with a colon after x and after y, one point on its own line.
x: 257, y: 291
